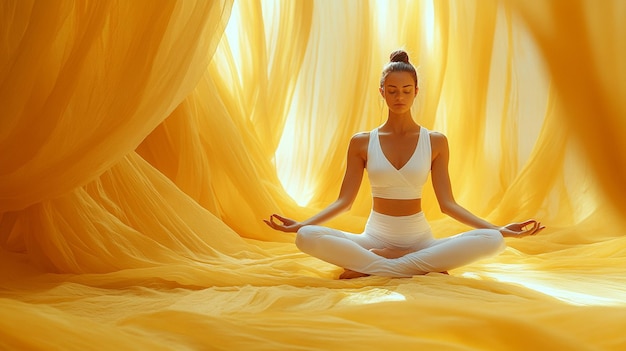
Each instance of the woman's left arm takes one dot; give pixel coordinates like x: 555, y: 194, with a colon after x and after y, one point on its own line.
x: 449, y: 206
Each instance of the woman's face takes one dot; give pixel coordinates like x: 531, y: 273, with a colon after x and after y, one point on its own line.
x: 399, y: 91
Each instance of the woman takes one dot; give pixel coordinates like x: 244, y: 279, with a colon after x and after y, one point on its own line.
x: 397, y: 240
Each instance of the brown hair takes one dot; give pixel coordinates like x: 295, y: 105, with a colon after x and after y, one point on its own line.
x: 398, y: 62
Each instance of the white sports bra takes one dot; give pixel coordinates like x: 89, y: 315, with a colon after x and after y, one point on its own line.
x: 402, y: 184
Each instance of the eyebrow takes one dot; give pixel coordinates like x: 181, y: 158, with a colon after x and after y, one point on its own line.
x: 393, y: 86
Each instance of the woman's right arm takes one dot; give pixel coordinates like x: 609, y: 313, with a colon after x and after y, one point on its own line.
x: 355, y: 165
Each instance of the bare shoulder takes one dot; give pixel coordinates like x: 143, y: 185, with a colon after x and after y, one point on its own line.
x: 438, y: 142
x: 361, y: 136
x: 360, y: 139
x: 359, y: 143
x: 437, y: 138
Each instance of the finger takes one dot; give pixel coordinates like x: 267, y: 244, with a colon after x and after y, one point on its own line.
x: 276, y: 225
x: 529, y: 222
x: 529, y: 231
x: 280, y: 218
x: 525, y: 233
x: 270, y: 224
x: 277, y: 217
x: 536, y: 228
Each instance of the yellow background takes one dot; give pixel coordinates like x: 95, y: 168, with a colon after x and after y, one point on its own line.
x: 143, y: 142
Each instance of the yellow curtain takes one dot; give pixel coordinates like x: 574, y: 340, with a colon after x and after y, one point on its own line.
x: 143, y: 142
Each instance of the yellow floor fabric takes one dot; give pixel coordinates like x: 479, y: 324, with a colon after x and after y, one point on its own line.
x: 142, y: 142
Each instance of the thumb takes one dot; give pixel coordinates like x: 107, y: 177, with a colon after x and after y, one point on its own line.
x: 528, y: 222
x: 278, y: 216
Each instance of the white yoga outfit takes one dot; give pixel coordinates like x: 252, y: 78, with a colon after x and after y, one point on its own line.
x: 352, y: 251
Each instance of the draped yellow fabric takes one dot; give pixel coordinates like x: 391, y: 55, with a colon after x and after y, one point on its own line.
x: 142, y: 143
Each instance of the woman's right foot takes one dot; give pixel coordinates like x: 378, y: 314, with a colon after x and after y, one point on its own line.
x: 350, y: 274
x: 385, y: 252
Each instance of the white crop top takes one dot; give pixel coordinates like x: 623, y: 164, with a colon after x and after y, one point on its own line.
x: 402, y: 184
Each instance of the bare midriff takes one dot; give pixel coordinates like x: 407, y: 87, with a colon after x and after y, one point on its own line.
x: 394, y: 207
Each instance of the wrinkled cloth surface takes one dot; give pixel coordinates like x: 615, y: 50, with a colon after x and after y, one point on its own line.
x: 143, y: 142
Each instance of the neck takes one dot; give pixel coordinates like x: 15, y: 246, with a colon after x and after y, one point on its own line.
x: 400, y: 122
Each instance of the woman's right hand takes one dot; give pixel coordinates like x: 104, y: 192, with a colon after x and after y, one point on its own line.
x: 286, y: 225
x: 522, y: 229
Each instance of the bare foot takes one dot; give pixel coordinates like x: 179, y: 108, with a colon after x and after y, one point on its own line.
x: 384, y: 252
x: 350, y: 274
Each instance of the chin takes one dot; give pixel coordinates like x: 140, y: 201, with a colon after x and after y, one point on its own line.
x: 400, y: 110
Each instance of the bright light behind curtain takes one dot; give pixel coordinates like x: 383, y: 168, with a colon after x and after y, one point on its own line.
x: 142, y: 142
x: 489, y: 93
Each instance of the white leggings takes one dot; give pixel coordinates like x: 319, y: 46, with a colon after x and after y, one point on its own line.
x: 352, y: 251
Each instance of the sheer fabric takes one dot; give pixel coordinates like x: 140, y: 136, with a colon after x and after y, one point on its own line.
x: 142, y: 143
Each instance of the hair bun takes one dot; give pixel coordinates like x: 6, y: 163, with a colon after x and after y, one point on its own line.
x: 399, y: 56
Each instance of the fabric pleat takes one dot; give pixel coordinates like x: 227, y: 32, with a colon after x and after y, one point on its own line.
x: 143, y: 142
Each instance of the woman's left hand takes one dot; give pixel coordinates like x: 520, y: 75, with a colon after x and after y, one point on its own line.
x: 518, y: 230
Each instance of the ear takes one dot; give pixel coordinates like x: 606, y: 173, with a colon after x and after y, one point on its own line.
x: 417, y: 89
x: 382, y: 91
